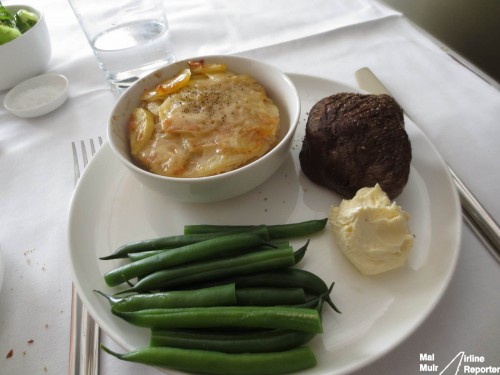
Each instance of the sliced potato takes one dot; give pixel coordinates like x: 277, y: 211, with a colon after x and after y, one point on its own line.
x: 140, y: 128
x: 153, y: 106
x: 199, y: 67
x: 168, y: 87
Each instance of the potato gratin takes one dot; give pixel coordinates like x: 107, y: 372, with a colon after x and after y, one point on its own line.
x: 204, y: 121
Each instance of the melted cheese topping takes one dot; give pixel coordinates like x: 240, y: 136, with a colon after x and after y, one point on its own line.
x: 216, y: 123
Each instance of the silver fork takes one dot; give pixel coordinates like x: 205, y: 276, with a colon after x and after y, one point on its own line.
x: 84, y: 335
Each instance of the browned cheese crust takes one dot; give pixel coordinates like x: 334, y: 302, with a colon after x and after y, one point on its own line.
x: 354, y: 141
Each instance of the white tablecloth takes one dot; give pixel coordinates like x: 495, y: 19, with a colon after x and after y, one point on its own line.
x: 332, y: 39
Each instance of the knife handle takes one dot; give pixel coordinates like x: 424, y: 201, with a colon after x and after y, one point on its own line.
x: 478, y: 219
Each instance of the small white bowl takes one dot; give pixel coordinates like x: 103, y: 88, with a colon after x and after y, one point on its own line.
x: 37, y: 96
x: 26, y: 56
x: 226, y: 185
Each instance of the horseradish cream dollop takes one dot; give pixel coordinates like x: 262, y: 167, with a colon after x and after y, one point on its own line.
x: 371, y: 231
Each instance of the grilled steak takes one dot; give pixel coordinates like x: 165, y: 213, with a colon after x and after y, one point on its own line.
x: 354, y: 141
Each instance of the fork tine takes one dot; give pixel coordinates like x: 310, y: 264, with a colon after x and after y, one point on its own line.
x: 84, y: 153
x: 76, y: 166
x: 85, y: 332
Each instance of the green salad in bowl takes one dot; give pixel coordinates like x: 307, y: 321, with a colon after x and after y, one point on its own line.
x: 12, y: 25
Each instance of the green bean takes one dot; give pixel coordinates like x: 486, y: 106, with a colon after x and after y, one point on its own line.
x: 171, y: 242
x: 240, y: 341
x: 283, y: 317
x: 145, y: 254
x: 261, y: 341
x: 312, y: 303
x: 222, y: 295
x: 281, y: 278
x: 269, y: 296
x: 216, y: 363
x: 212, y: 248
x: 317, y: 302
x: 275, y: 231
x: 207, y: 271
x: 300, y: 253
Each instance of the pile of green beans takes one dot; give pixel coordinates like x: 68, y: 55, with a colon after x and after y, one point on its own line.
x: 221, y: 299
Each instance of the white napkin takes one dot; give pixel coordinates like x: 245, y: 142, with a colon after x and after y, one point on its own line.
x: 220, y: 27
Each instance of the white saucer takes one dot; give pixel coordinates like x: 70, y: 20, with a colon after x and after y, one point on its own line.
x: 37, y: 96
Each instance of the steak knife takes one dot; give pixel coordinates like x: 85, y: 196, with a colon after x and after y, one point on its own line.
x: 474, y: 214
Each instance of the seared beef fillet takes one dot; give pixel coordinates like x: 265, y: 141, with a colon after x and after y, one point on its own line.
x: 354, y: 141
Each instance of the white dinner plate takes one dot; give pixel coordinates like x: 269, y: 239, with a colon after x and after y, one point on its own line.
x: 110, y: 208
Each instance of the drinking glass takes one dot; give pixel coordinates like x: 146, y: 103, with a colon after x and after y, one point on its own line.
x: 130, y: 38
